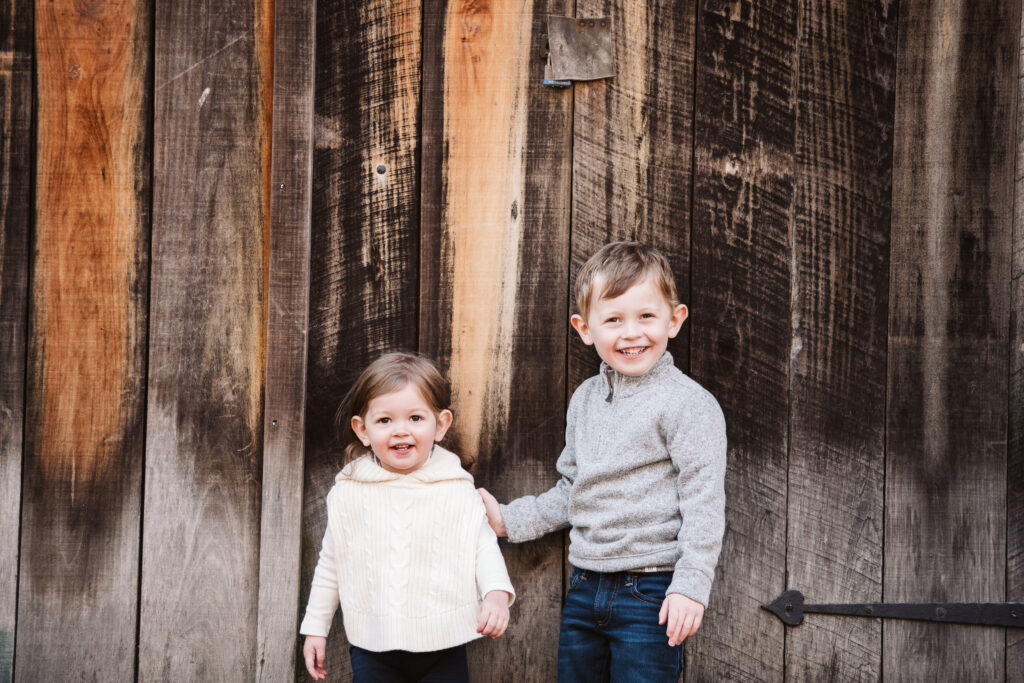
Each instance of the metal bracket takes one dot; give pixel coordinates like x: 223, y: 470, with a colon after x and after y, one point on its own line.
x: 790, y: 608
x: 578, y: 50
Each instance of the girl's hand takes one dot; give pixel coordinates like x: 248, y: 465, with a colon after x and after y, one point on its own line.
x: 493, y: 617
x: 314, y: 652
x: 683, y: 615
x: 494, y: 517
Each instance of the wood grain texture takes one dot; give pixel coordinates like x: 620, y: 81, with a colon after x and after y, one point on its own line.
x: 744, y: 180
x: 632, y: 149
x: 839, y: 318
x: 16, y: 33
x: 86, y: 351
x: 1015, y: 433
x: 287, y: 325
x: 365, y: 232
x: 205, y: 412
x: 945, y: 528
x: 495, y: 240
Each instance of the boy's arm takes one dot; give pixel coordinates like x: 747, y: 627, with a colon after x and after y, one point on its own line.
x: 698, y: 448
x: 323, y: 595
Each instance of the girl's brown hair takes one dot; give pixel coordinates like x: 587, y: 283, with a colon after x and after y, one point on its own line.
x: 391, y: 372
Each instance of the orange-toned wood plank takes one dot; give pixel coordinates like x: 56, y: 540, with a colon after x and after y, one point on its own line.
x: 87, y: 346
x: 200, y: 561
x: 15, y: 192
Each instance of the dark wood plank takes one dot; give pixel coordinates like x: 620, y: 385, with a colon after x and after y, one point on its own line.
x: 205, y: 412
x: 740, y: 319
x: 365, y: 232
x: 495, y: 239
x: 1015, y: 433
x: 16, y: 31
x: 77, y: 599
x: 287, y: 323
x: 633, y: 149
x: 945, y: 527
x: 839, y: 318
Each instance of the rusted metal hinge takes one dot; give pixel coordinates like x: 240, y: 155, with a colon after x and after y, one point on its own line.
x: 790, y: 608
x: 578, y: 50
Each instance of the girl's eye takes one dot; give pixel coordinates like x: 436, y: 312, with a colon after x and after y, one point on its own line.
x: 416, y: 418
x: 383, y: 420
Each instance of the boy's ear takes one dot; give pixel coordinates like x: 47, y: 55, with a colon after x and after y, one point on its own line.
x: 679, y: 315
x: 444, y: 421
x: 359, y: 427
x: 580, y: 325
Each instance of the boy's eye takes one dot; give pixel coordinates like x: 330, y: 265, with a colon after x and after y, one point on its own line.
x: 612, y: 320
x: 647, y: 315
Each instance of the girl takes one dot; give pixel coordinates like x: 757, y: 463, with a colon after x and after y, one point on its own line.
x: 408, y: 552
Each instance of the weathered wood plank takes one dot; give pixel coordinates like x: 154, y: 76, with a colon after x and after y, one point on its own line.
x: 632, y: 148
x: 16, y: 32
x: 945, y: 528
x: 1015, y: 433
x: 87, y: 344
x: 205, y: 410
x: 287, y: 324
x: 740, y: 330
x: 365, y: 231
x: 493, y: 308
x: 839, y: 318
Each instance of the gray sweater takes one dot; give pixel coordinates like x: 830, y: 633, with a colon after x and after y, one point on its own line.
x: 643, y: 479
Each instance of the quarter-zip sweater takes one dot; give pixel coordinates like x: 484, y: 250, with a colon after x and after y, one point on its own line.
x: 407, y: 556
x: 643, y: 479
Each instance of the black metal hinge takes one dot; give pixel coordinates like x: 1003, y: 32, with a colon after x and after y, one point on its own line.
x: 790, y: 608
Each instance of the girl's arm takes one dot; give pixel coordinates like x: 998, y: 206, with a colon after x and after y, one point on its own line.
x: 323, y: 595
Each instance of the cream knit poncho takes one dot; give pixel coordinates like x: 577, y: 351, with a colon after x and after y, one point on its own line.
x: 407, y: 556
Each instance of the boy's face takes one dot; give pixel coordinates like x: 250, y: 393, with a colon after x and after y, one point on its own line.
x: 631, y: 331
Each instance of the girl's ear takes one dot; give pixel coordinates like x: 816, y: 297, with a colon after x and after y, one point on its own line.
x: 359, y: 427
x: 444, y: 421
x: 580, y: 325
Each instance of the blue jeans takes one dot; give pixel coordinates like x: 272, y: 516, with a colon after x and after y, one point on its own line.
x: 399, y: 666
x: 610, y: 629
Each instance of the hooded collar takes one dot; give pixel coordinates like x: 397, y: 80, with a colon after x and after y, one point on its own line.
x: 442, y: 465
x: 620, y: 385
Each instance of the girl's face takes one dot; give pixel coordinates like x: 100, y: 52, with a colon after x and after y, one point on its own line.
x: 401, y: 429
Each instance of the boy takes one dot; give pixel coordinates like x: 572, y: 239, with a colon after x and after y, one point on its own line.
x: 642, y: 484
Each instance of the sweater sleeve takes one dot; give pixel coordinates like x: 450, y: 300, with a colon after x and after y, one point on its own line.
x: 323, y: 595
x: 531, y: 517
x: 698, y: 449
x: 491, y: 573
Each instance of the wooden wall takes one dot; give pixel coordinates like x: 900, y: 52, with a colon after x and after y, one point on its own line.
x: 214, y: 215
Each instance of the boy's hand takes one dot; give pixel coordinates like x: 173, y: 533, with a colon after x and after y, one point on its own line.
x: 683, y: 615
x: 493, y: 617
x: 494, y: 517
x: 313, y: 652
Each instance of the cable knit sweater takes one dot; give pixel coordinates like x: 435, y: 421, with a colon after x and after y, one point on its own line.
x: 407, y: 556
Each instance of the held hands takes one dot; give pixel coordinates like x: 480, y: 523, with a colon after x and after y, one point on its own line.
x: 494, y: 517
x: 313, y: 652
x: 683, y: 615
x: 493, y: 617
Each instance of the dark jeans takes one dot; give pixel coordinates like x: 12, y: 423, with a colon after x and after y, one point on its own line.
x: 610, y: 630
x: 399, y: 666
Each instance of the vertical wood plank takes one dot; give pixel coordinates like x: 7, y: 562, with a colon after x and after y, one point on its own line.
x: 1015, y: 433
x: 740, y: 331
x: 839, y: 319
x: 16, y: 31
x: 365, y: 231
x: 495, y: 239
x: 86, y: 352
x: 632, y: 148
x: 945, y: 528
x: 205, y: 410
x: 287, y: 324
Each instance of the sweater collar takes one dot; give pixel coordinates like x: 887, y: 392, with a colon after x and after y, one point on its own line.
x: 620, y: 385
x: 442, y: 465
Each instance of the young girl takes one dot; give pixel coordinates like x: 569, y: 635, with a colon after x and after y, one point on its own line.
x: 408, y: 551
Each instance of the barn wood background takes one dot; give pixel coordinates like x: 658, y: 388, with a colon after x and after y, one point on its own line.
x: 188, y: 188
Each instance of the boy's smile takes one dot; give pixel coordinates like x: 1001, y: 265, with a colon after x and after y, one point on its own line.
x: 631, y: 331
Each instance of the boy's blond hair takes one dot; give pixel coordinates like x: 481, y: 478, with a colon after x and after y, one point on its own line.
x: 616, y: 267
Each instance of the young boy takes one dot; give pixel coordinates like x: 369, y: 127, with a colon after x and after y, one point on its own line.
x: 642, y: 484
